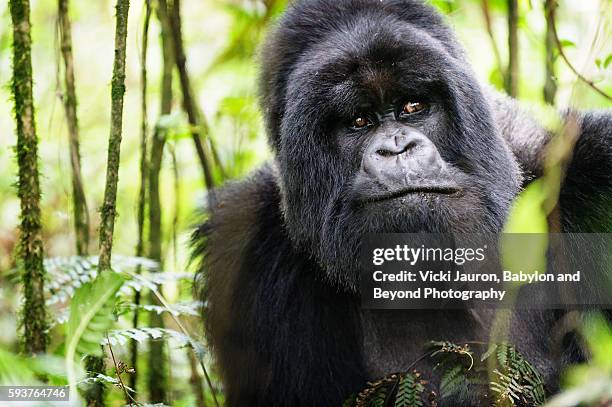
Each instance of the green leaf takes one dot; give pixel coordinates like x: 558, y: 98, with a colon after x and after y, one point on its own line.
x: 91, y: 311
x: 91, y: 314
x: 489, y: 352
x: 607, y: 61
x: 502, y: 354
x: 409, y: 391
x: 526, y: 253
x: 567, y: 43
x: 527, y: 214
x: 380, y: 397
x: 598, y: 333
x: 350, y: 401
x: 452, y: 381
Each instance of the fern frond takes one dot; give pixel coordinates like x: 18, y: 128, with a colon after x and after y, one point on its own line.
x: 518, y: 382
x: 122, y: 337
x: 409, y: 391
x: 104, y: 379
x: 453, y: 381
x: 66, y: 274
x: 380, y: 397
x: 191, y: 308
x: 490, y: 351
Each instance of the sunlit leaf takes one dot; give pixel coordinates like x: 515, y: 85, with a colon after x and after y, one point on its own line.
x: 527, y: 215
x: 91, y: 314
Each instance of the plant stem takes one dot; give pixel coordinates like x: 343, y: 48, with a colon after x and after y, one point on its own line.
x: 30, y: 255
x: 80, y: 211
x: 550, y: 84
x: 157, y: 373
x: 589, y: 82
x: 489, y: 25
x: 109, y: 205
x: 512, y: 76
x: 144, y: 168
x: 198, y: 126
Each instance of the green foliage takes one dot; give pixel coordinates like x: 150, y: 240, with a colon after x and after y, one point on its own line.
x: 516, y: 381
x: 444, y: 349
x: 566, y: 43
x: 92, y: 306
x: 91, y: 314
x: 492, y: 348
x: 409, y: 391
x: 527, y: 215
x: 350, y: 401
x: 121, y: 337
x: 91, y: 311
x: 397, y: 389
x: 20, y: 370
x: 379, y: 398
x: 190, y: 308
x: 225, y: 75
x: 590, y: 383
x: 104, y: 380
x: 456, y: 363
x: 452, y: 381
x: 66, y: 274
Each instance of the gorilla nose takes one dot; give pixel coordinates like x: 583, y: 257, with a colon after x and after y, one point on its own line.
x: 399, y: 145
x: 405, y: 160
x: 407, y: 155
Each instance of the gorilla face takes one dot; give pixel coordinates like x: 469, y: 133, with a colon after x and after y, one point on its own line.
x: 383, y: 129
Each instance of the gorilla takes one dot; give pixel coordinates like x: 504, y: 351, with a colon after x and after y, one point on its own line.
x: 377, y: 124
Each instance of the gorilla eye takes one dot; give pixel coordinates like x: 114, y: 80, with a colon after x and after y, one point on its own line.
x: 360, y: 122
x: 413, y: 107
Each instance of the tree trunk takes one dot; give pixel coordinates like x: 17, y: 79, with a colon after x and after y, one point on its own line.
x: 79, y: 202
x: 157, y: 372
x: 95, y: 396
x: 158, y: 386
x: 109, y: 206
x: 34, y: 314
x: 198, y: 125
x: 144, y: 168
x: 512, y: 75
x: 550, y: 83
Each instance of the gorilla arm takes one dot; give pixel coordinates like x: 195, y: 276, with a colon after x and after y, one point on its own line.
x: 281, y: 335
x: 586, y: 194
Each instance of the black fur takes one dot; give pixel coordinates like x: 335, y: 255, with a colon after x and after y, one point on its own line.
x: 278, y: 251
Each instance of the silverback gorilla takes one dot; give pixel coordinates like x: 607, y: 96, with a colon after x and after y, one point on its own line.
x: 377, y: 124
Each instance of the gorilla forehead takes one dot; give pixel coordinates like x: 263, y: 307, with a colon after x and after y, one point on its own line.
x: 369, y: 62
x: 308, y: 23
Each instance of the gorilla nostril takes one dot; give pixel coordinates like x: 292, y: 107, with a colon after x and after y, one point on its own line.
x: 410, y: 146
x: 385, y: 153
x: 393, y: 152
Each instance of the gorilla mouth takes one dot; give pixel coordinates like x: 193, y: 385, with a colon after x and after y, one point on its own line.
x: 412, y: 190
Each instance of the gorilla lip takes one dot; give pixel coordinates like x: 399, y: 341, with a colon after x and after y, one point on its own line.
x: 433, y: 189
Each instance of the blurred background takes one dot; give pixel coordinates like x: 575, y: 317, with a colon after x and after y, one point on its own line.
x: 221, y: 40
